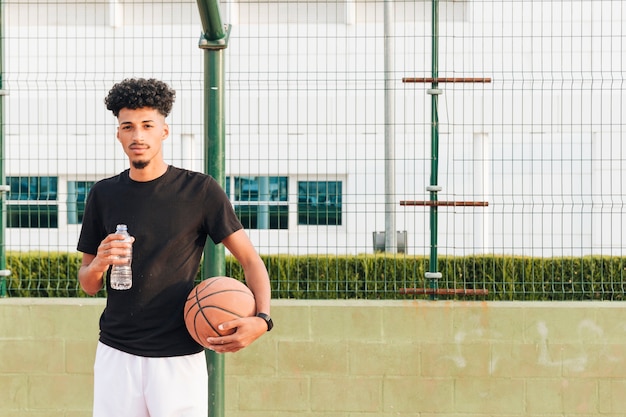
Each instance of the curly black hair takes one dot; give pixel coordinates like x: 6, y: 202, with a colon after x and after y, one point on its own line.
x: 135, y: 93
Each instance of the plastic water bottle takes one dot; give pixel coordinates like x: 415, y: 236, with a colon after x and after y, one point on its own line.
x: 122, y: 275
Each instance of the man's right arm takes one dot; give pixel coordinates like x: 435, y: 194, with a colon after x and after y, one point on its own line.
x: 90, y: 274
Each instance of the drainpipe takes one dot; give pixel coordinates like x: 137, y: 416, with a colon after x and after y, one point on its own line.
x: 391, y: 238
x: 213, y: 41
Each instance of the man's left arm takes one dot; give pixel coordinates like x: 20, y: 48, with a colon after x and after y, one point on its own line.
x: 249, y: 328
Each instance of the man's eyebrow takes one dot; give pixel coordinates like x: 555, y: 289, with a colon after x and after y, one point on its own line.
x: 143, y: 121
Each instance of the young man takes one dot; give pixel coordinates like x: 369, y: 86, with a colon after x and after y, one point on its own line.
x: 147, y: 365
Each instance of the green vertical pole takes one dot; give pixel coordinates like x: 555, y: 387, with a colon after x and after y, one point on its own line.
x: 214, y: 258
x: 213, y: 41
x: 3, y: 271
x: 434, y: 188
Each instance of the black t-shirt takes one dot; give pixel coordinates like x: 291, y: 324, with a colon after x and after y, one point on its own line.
x: 170, y: 218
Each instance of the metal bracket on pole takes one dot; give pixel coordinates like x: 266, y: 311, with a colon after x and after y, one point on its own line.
x: 221, y: 43
x: 4, y: 92
x: 5, y: 188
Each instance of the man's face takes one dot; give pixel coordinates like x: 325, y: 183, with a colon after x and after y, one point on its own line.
x: 141, y: 133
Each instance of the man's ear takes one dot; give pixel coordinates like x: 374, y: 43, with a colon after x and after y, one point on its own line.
x: 166, y: 131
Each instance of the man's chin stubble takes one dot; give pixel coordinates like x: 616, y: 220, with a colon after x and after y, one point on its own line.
x: 140, y: 164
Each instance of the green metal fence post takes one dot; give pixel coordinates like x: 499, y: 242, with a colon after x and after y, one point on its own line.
x: 213, y: 41
x: 433, y: 275
x: 3, y: 187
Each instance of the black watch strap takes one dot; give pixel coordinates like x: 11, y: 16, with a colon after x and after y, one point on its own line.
x: 268, y: 320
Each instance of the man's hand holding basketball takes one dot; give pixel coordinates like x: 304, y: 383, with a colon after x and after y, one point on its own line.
x: 248, y: 329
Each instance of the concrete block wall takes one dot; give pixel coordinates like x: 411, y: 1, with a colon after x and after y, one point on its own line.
x: 355, y: 359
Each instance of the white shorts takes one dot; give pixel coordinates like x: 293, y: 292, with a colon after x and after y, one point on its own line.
x: 136, y: 386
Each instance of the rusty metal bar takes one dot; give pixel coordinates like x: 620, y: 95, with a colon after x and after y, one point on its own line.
x: 445, y: 80
x: 444, y: 203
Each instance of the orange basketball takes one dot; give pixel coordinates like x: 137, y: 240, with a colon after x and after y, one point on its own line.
x: 215, y: 301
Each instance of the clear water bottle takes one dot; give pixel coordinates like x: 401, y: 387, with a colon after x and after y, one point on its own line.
x: 122, y: 275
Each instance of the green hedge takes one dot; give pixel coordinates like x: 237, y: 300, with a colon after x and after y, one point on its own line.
x: 377, y: 276
x: 44, y: 274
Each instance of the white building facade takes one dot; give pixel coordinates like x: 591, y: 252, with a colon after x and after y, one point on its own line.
x: 317, y: 112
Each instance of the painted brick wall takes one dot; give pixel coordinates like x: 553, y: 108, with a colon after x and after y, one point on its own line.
x: 354, y: 359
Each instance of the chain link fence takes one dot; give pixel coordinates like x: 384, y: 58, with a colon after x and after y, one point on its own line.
x: 330, y: 127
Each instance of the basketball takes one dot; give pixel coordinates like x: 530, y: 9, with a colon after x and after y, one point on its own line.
x: 215, y: 301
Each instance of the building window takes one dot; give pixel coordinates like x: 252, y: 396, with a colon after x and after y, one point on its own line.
x: 260, y: 202
x: 28, y: 202
x: 319, y: 203
x: 77, y: 192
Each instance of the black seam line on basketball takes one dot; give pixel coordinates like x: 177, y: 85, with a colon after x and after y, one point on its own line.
x: 202, y: 288
x: 196, y: 303
x: 191, y: 307
x: 206, y: 319
x: 213, y: 281
x: 195, y: 327
x: 220, y: 309
x: 204, y: 297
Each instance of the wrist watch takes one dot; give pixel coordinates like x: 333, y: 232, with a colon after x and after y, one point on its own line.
x: 268, y: 320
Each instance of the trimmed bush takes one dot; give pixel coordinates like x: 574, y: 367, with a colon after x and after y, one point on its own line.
x: 378, y: 276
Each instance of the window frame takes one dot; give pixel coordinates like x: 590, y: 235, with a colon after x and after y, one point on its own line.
x: 73, y: 207
x: 33, y: 205
x: 234, y: 192
x: 326, y: 179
